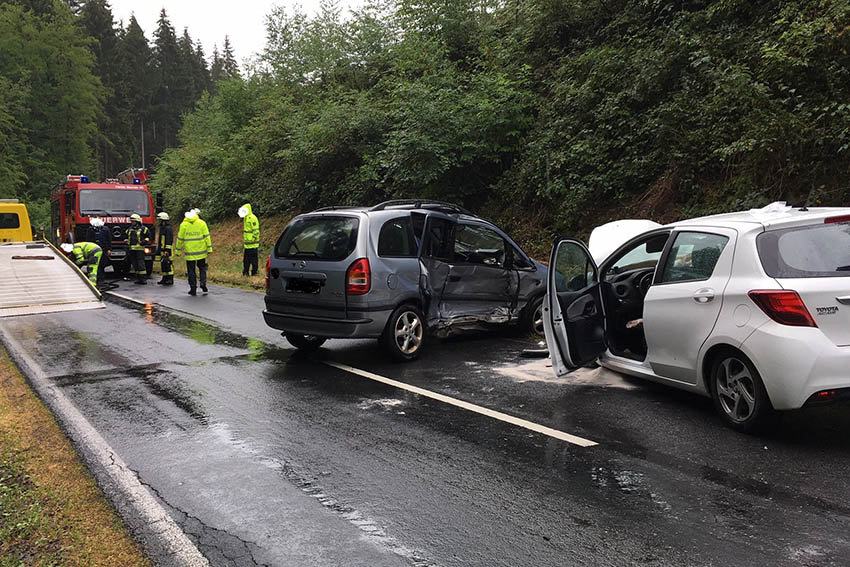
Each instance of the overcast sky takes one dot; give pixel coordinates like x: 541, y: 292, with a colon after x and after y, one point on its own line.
x: 210, y: 20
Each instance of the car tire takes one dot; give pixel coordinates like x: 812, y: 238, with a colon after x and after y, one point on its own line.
x: 739, y: 394
x: 532, y: 317
x: 404, y: 336
x: 307, y: 343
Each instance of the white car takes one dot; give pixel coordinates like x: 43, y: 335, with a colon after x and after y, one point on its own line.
x: 750, y: 308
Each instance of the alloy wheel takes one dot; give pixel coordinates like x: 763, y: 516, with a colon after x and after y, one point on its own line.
x: 736, y: 389
x: 408, y: 332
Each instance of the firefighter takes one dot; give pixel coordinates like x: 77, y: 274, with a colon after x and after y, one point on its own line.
x: 100, y: 235
x: 193, y: 241
x: 85, y: 254
x: 136, y: 235
x: 250, y: 239
x: 164, y: 248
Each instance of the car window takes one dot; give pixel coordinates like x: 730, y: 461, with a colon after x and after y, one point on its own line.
x: 572, y: 269
x: 693, y: 257
x: 642, y: 255
x: 396, y: 239
x: 9, y: 220
x: 806, y: 252
x: 439, y: 240
x: 478, y: 245
x: 319, y: 237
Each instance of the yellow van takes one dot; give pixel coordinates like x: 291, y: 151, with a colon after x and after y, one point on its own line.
x: 14, y: 221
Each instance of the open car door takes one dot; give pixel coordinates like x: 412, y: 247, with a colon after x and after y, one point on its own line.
x: 573, y: 317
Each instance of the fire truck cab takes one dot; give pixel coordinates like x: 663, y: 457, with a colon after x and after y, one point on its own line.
x: 75, y: 201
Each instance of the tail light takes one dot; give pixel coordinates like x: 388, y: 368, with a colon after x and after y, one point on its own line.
x: 268, y: 268
x: 831, y: 220
x: 784, y: 307
x: 358, y: 279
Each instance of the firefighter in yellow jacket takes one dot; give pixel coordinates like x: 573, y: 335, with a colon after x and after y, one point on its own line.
x: 193, y: 241
x: 85, y: 254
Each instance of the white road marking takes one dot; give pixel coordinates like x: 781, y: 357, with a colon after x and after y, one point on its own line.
x: 575, y: 440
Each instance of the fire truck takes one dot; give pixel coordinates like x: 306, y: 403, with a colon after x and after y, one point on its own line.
x: 75, y: 201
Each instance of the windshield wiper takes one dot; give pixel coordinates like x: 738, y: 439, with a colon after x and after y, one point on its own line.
x: 95, y: 212
x: 842, y: 269
x: 123, y: 211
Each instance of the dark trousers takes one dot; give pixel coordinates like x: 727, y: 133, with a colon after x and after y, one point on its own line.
x: 250, y: 260
x: 137, y: 260
x: 190, y: 272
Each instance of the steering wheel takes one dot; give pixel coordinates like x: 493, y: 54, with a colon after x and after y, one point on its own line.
x: 630, y: 287
x: 644, y: 282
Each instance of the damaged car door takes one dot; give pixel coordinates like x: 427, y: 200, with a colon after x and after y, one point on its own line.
x: 471, y: 282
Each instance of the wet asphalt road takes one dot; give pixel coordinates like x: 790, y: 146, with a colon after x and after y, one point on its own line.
x: 268, y: 457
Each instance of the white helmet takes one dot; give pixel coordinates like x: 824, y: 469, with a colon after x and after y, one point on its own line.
x: 191, y: 214
x: 242, y: 212
x: 135, y: 217
x: 162, y: 216
x: 96, y: 221
x: 67, y: 247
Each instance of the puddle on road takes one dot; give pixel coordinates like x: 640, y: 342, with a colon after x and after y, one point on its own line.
x: 540, y: 370
x: 202, y: 332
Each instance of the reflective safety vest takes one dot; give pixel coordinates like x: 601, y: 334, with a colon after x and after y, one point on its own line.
x: 251, y: 229
x: 193, y: 239
x: 86, y: 253
x: 136, y: 237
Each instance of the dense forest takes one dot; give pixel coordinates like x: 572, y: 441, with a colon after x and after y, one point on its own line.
x: 545, y: 115
x: 82, y: 94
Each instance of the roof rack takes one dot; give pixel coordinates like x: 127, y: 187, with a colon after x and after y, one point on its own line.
x: 421, y: 204
x: 336, y: 208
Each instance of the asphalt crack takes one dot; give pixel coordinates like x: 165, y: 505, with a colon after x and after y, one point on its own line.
x: 219, y: 547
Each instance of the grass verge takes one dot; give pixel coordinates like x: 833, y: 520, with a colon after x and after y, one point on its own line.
x: 51, y: 511
x: 225, y: 264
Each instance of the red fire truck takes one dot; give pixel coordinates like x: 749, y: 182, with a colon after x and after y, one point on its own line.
x: 75, y: 201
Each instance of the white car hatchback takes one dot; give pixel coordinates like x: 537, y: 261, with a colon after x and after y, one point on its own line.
x: 750, y: 308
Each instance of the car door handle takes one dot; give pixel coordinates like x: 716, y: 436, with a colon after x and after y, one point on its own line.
x: 844, y: 300
x: 704, y: 295
x: 454, y: 278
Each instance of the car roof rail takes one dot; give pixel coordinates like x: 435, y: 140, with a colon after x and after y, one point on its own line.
x: 337, y: 208
x: 422, y: 204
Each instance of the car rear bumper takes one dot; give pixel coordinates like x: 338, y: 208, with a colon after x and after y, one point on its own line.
x: 797, y: 362
x: 353, y: 327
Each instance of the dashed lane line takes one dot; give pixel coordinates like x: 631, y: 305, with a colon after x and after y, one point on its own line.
x: 536, y: 427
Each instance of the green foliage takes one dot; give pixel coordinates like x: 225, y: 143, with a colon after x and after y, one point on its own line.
x: 552, y: 107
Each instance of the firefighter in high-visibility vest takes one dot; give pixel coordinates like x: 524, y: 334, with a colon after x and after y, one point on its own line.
x: 250, y: 239
x: 164, y: 249
x: 85, y: 254
x: 136, y: 236
x: 193, y: 241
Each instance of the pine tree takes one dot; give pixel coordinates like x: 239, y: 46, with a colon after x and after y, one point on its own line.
x: 166, y: 103
x: 136, y: 72
x: 203, y: 72
x: 230, y: 67
x: 114, y: 145
x: 217, y: 68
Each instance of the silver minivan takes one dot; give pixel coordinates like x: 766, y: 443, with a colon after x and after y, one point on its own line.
x: 398, y: 271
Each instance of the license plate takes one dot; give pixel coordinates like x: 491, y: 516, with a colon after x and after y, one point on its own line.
x: 303, y: 286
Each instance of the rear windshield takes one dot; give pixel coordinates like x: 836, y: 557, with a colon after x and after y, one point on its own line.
x: 818, y: 251
x: 9, y: 220
x: 322, y: 238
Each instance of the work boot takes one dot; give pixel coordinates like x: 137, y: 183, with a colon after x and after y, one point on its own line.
x: 193, y: 292
x: 168, y: 280
x: 204, y: 289
x: 161, y: 282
